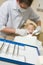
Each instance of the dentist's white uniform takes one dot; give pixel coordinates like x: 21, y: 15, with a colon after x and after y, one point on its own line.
x: 11, y: 16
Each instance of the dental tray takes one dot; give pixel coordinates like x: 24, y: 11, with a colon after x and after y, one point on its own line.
x: 18, y: 53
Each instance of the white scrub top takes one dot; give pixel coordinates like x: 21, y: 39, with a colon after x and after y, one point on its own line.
x: 12, y: 17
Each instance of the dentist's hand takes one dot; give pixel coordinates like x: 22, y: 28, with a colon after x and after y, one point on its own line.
x: 21, y: 32
x: 37, y: 30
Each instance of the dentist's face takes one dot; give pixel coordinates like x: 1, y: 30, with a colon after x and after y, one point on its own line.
x: 23, y: 5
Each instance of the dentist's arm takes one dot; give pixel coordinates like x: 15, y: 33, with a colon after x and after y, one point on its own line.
x: 21, y: 32
x: 4, y: 10
x: 8, y: 30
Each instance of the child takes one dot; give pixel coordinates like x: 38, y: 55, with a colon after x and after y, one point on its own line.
x: 27, y: 28
x: 30, y: 26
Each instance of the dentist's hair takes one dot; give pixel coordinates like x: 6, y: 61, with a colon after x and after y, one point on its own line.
x: 27, y: 2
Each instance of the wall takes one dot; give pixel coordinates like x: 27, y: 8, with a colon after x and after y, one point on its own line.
x: 34, y: 6
x: 1, y: 1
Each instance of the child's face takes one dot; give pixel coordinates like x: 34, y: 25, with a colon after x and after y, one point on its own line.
x: 30, y: 28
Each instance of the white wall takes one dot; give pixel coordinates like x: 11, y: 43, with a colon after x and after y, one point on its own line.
x: 35, y: 6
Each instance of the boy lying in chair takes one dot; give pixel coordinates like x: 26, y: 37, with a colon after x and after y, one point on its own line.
x: 29, y: 38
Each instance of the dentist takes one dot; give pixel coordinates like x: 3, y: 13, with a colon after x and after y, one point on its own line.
x: 14, y: 13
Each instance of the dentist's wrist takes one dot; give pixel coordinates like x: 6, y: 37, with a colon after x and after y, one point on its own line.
x: 37, y: 30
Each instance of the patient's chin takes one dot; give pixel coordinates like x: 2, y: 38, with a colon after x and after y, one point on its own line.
x: 30, y: 32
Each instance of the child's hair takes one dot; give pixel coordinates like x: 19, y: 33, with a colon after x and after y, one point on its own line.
x: 28, y: 2
x: 28, y: 25
x: 29, y: 22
